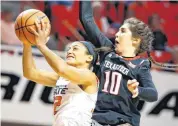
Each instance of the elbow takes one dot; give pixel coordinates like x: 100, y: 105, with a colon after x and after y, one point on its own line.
x: 154, y: 96
x: 150, y: 95
x: 28, y: 74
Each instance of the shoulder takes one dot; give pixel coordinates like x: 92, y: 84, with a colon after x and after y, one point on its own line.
x: 105, y: 55
x: 109, y: 54
x: 143, y: 64
x: 140, y: 63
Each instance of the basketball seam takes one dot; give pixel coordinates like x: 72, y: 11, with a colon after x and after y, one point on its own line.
x: 26, y: 26
x: 34, y: 24
x: 19, y: 30
x: 27, y: 20
x: 23, y: 31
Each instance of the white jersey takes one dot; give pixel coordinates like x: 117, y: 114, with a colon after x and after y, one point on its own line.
x: 72, y: 106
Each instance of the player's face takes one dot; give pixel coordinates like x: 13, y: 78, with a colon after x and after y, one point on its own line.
x: 123, y: 40
x: 77, y: 55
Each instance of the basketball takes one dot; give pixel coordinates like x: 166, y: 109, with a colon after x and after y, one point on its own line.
x: 27, y: 19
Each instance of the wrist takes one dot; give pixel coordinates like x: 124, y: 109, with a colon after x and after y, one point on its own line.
x: 40, y: 46
x: 26, y: 45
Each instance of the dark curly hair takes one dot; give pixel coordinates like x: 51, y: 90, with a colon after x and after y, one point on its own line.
x: 140, y: 30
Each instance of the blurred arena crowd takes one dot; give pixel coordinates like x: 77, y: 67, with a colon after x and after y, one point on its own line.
x: 162, y: 17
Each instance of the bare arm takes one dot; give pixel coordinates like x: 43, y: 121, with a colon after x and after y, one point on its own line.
x: 32, y: 73
x: 75, y: 75
x: 92, y: 30
x: 78, y: 76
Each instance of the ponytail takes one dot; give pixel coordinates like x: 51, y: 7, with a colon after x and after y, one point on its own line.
x: 104, y: 49
x: 163, y: 65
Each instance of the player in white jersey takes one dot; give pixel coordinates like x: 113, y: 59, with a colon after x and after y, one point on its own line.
x: 73, y: 103
x: 75, y: 84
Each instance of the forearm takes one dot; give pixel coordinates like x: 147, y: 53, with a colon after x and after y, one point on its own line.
x: 87, y: 21
x: 62, y: 69
x: 148, y: 94
x: 28, y: 61
x: 30, y: 72
x: 92, y: 30
x: 85, y: 10
x: 56, y: 63
x: 147, y: 90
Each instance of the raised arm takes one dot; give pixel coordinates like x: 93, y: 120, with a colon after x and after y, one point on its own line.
x: 147, y: 90
x: 78, y: 76
x: 32, y: 73
x: 92, y: 30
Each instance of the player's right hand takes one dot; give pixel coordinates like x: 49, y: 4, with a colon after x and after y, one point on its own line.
x: 132, y: 85
x: 41, y: 34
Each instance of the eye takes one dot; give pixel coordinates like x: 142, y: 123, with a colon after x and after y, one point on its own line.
x: 123, y: 30
x: 75, y: 48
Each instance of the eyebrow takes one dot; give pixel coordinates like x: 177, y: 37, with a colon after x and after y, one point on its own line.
x: 74, y: 46
x: 122, y: 28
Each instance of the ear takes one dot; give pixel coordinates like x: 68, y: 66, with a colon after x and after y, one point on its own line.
x: 136, y: 40
x: 90, y: 58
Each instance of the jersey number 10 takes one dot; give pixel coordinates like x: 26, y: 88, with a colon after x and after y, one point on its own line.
x: 114, y: 79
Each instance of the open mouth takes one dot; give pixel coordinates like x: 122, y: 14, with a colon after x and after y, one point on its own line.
x: 70, y: 56
x: 116, y: 42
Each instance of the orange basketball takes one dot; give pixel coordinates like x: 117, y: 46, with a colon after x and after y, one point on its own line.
x: 25, y: 20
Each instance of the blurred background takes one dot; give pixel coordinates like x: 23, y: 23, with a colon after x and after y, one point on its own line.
x: 25, y: 103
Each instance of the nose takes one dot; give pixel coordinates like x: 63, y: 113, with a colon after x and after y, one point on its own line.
x: 117, y: 35
x: 69, y: 51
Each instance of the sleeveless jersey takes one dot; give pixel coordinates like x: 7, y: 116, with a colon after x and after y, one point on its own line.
x: 71, y: 102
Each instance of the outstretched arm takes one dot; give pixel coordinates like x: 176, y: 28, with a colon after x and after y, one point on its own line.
x: 32, y: 73
x: 92, y: 30
x: 82, y: 77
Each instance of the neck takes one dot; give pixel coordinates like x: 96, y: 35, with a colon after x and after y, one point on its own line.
x: 129, y: 52
x: 85, y: 66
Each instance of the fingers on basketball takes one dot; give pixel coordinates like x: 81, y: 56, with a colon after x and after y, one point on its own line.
x: 28, y: 24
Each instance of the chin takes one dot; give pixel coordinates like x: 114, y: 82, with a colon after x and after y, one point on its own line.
x: 71, y: 63
x: 117, y: 50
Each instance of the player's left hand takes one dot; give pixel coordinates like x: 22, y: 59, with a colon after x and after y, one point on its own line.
x: 41, y: 33
x: 132, y: 85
